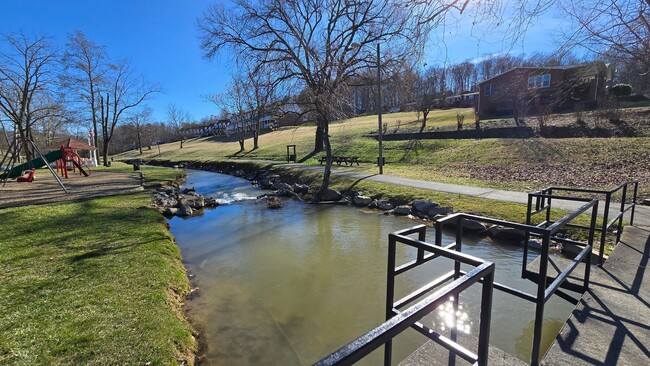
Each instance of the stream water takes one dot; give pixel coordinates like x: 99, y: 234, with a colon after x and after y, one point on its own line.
x: 289, y: 286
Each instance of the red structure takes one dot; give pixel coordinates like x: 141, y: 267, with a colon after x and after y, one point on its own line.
x: 27, y: 178
x: 69, y: 157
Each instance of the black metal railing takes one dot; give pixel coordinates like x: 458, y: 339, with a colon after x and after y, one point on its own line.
x: 397, y: 320
x: 544, y: 291
x: 544, y: 198
x: 483, y: 272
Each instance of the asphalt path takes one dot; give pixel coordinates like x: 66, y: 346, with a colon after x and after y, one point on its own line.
x: 641, y: 215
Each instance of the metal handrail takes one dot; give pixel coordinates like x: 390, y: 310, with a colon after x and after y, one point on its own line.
x: 545, y: 196
x: 544, y: 292
x: 538, y: 202
x: 397, y: 321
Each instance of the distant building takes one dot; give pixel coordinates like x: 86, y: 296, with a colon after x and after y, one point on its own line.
x: 462, y: 100
x: 534, y: 88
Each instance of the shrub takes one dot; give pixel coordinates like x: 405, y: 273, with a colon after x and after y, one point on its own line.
x: 621, y: 90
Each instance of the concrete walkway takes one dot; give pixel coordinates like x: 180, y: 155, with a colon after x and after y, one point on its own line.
x: 610, y: 323
x: 641, y: 216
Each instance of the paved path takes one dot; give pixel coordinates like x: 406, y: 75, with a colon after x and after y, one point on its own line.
x: 641, y: 217
x: 610, y: 323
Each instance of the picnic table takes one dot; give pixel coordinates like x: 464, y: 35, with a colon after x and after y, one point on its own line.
x: 345, y: 160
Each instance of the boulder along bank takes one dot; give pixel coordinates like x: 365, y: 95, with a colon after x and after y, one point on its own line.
x: 289, y: 183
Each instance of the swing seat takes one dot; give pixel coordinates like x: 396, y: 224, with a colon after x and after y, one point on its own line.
x: 28, y: 178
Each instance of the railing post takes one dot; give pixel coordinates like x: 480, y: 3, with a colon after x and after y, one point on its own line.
x: 524, y: 262
x: 539, y: 302
x: 438, y: 241
x: 620, y: 219
x: 459, y: 246
x: 454, y: 329
x: 548, y: 207
x: 636, y: 187
x: 390, y: 294
x: 603, y: 234
x: 592, y: 234
x: 485, y: 319
x: 422, y: 236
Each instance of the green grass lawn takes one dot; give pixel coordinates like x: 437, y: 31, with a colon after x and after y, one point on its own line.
x: 94, y: 282
x: 153, y: 175
x: 514, y: 164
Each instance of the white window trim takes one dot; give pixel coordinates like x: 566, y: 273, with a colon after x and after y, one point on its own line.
x: 539, y: 81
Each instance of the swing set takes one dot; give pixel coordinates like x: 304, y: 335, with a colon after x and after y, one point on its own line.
x: 64, y: 157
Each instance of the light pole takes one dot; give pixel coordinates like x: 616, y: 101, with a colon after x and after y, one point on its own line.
x: 380, y: 160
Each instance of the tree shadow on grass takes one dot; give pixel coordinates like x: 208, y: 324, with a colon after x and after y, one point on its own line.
x: 412, y: 146
x: 107, y: 249
x: 308, y: 156
x: 240, y: 154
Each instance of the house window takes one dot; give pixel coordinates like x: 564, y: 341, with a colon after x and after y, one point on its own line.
x: 540, y: 81
x: 489, y: 89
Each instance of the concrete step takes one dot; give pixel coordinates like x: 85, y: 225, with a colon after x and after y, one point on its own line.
x: 433, y: 354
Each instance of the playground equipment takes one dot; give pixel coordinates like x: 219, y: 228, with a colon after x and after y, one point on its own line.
x: 70, y: 157
x: 12, y: 170
x: 29, y: 177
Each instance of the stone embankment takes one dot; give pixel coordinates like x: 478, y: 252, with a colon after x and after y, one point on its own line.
x: 170, y: 201
x: 173, y: 201
x: 425, y: 210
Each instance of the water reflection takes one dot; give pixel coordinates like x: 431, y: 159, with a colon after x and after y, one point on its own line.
x: 450, y: 318
x: 289, y: 286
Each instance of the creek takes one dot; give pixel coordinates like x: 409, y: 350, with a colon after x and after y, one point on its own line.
x: 289, y: 286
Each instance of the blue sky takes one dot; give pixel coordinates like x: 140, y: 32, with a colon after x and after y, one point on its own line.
x: 161, y: 39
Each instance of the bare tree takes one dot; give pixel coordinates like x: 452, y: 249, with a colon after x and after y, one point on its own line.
x: 86, y: 65
x: 462, y: 76
x: 621, y: 26
x: 125, y: 91
x: 178, y: 118
x: 138, y: 122
x: 235, y: 101
x: 52, y: 124
x: 261, y: 94
x: 27, y: 76
x: 321, y: 45
x: 426, y: 92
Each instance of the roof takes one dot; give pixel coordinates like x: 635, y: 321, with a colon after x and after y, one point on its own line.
x: 72, y: 143
x: 561, y: 67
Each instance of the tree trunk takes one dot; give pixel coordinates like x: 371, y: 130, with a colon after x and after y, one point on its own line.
x: 425, y: 113
x: 256, y: 136
x: 242, y: 138
x: 324, y: 127
x: 139, y: 143
x: 319, y: 140
x: 26, y: 148
x: 105, y: 152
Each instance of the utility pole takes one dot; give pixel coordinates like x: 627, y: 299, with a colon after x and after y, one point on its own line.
x: 380, y: 160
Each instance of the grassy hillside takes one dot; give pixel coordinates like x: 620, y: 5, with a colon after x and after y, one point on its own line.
x: 518, y: 164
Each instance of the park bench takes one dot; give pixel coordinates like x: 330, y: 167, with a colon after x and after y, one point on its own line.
x: 345, y: 160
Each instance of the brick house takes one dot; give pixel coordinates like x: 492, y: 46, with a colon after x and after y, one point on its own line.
x: 524, y: 90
